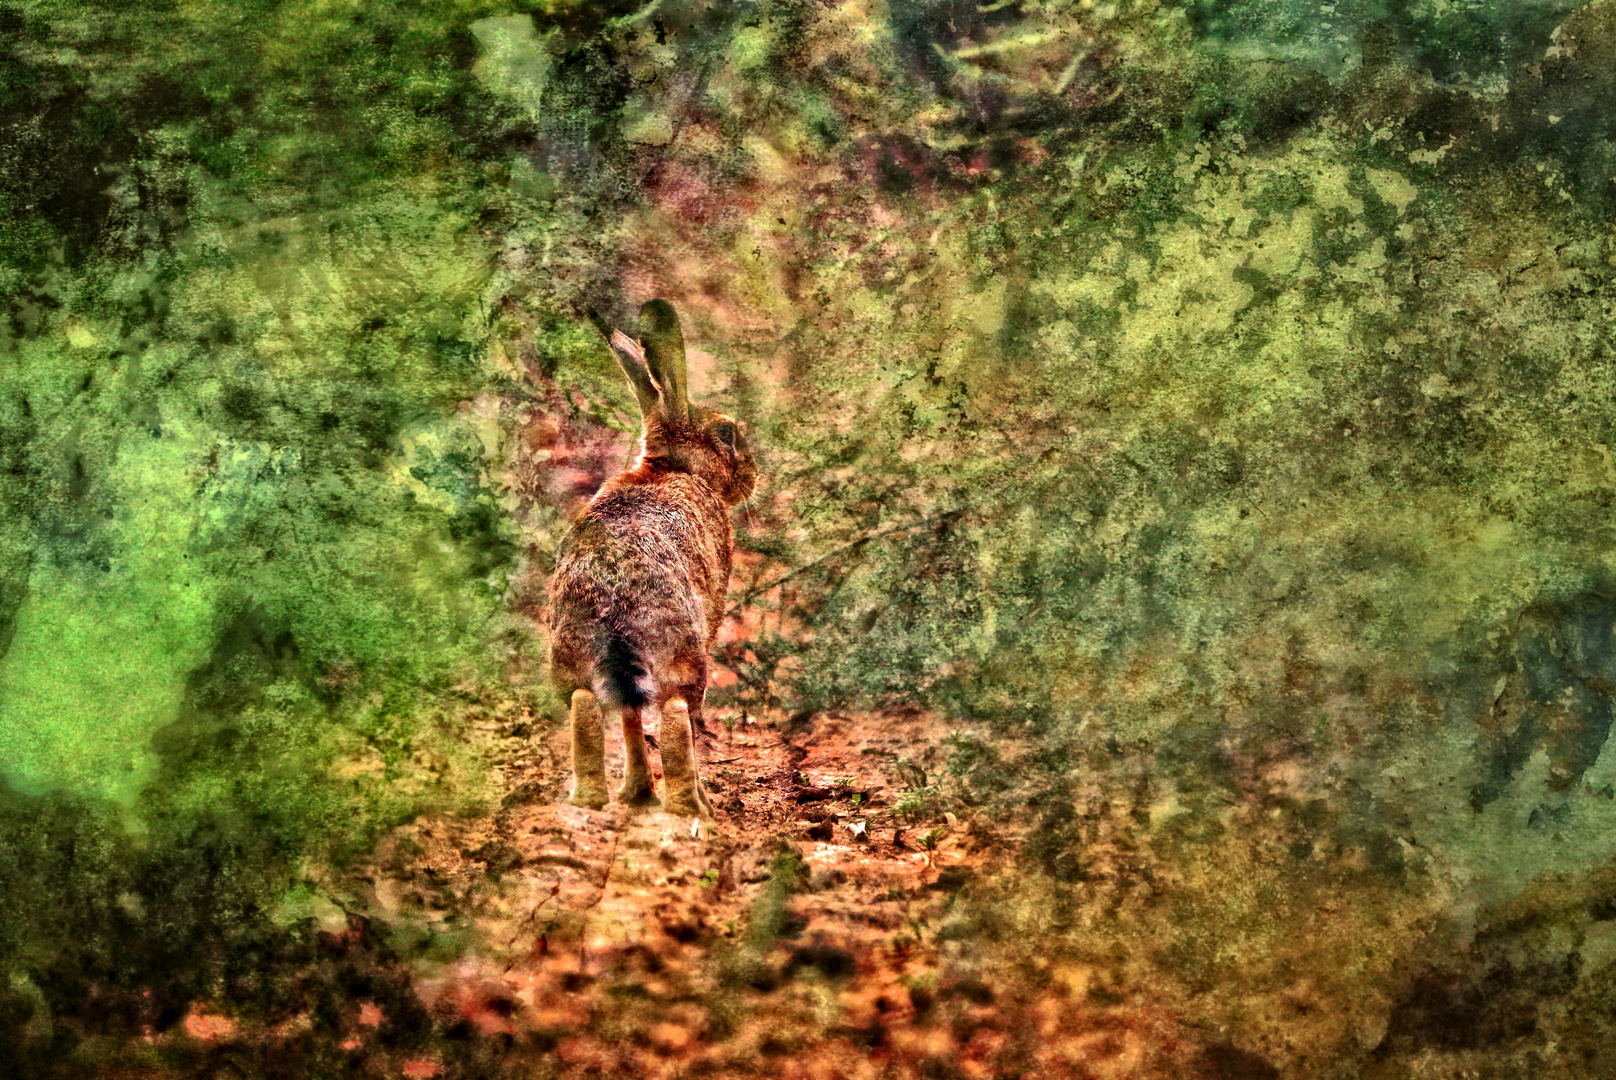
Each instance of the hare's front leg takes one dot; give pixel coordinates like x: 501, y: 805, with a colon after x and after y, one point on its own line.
x: 681, y: 779
x: 588, y: 752
x: 636, y: 768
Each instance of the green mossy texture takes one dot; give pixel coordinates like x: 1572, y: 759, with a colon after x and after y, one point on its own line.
x: 1218, y: 394
x: 245, y: 535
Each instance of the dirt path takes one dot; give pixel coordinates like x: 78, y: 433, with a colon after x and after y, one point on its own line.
x: 821, y: 926
x: 630, y: 942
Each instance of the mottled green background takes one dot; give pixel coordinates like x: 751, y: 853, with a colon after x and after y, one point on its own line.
x: 1218, y: 394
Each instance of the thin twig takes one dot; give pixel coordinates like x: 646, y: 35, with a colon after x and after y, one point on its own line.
x: 522, y: 929
x: 876, y: 535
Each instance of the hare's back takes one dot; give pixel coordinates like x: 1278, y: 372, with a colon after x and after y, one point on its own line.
x: 603, y: 571
x: 635, y: 572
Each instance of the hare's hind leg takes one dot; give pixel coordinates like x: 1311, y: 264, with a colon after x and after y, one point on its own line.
x: 681, y: 780
x: 636, y: 769
x: 588, y: 752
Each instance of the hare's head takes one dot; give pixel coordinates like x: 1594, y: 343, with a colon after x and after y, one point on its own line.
x: 675, y: 434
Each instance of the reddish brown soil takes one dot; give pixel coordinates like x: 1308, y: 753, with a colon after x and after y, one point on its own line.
x: 777, y: 940
x: 632, y: 940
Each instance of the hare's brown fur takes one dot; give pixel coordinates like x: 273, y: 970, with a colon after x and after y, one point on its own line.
x: 638, y: 591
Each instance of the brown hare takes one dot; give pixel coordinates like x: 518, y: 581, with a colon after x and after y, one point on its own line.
x: 638, y: 589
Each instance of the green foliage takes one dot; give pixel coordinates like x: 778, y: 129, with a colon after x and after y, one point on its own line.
x: 916, y: 803
x: 771, y: 918
x: 246, y: 539
x: 1226, y: 384
x: 1476, y: 41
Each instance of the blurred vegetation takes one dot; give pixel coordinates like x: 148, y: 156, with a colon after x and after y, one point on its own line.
x: 250, y: 576
x: 1217, y: 394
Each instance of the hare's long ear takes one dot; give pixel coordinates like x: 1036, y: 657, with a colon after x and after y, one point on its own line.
x: 631, y: 358
x: 665, y: 355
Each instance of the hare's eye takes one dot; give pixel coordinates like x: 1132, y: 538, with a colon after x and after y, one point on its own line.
x: 726, y: 434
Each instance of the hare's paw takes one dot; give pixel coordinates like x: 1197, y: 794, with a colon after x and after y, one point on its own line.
x: 690, y: 802
x: 590, y: 798
x: 637, y: 790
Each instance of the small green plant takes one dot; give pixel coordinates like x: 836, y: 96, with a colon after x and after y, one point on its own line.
x: 921, y: 982
x: 966, y: 754
x: 915, y: 802
x: 929, y: 841
x: 770, y: 917
x: 805, y: 779
x: 857, y: 799
x: 710, y: 878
